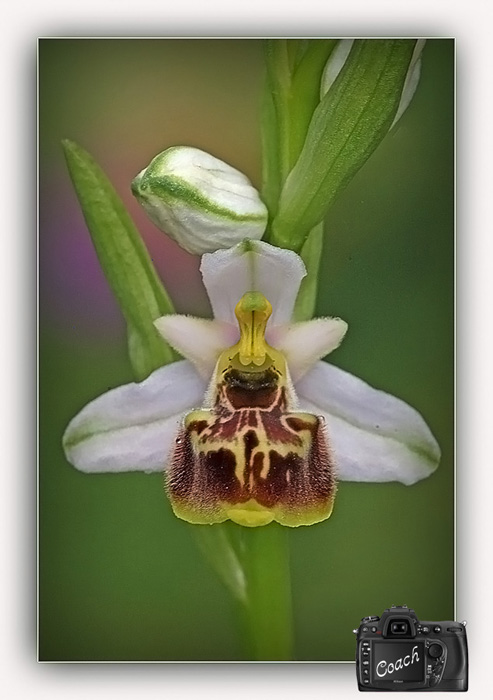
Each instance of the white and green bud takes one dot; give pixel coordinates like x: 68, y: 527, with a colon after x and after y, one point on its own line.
x: 201, y: 202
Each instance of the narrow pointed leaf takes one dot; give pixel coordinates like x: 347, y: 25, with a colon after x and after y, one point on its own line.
x: 216, y: 545
x: 275, y: 120
x: 347, y: 126
x: 271, y: 171
x: 311, y: 254
x: 292, y: 92
x: 296, y: 50
x: 124, y: 260
x: 305, y: 92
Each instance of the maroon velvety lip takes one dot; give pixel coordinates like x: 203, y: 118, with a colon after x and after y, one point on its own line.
x: 249, y: 448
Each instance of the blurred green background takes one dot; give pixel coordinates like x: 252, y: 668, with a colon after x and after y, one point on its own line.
x: 120, y: 578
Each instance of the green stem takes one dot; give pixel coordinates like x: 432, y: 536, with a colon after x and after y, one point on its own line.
x: 268, y: 608
x: 279, y: 78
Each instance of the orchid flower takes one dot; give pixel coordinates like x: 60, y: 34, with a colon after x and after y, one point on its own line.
x: 338, y: 426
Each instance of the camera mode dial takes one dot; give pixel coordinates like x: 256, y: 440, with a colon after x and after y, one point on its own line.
x: 435, y: 651
x: 371, y: 618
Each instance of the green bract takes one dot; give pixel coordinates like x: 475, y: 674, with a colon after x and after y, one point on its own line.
x: 201, y: 202
x: 362, y: 92
x: 124, y: 260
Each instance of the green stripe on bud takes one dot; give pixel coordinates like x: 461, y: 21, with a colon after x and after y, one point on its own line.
x: 201, y: 202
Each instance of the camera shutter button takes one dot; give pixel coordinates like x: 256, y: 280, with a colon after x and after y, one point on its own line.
x: 435, y: 651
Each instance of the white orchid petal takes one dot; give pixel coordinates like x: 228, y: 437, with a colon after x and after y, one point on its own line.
x: 198, y: 339
x: 335, y: 64
x: 374, y: 436
x: 252, y: 266
x: 303, y: 344
x: 131, y: 428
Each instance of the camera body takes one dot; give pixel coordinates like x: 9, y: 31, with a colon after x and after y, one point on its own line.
x: 399, y: 652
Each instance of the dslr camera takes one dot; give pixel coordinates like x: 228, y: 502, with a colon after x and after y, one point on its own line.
x: 399, y: 652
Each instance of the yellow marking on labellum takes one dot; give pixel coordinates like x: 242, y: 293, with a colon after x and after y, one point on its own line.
x: 206, y: 436
x: 250, y: 514
x: 246, y: 456
x: 205, y: 443
x: 252, y: 311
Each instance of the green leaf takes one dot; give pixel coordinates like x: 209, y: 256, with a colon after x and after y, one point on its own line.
x: 311, y: 254
x: 276, y: 113
x: 347, y: 126
x: 271, y: 171
x: 292, y: 92
x: 305, y: 92
x: 216, y: 544
x: 297, y: 49
x: 124, y: 260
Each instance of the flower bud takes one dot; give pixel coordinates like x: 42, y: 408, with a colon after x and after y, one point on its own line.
x: 201, y: 202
